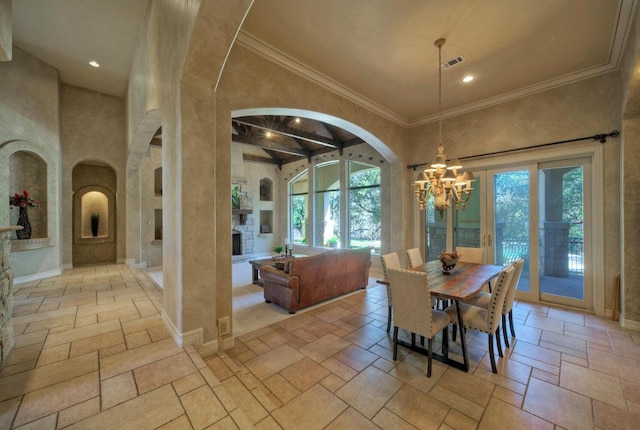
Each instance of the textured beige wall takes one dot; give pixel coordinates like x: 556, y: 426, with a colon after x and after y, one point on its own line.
x: 154, y: 85
x: 92, y: 128
x: 629, y: 157
x: 29, y: 118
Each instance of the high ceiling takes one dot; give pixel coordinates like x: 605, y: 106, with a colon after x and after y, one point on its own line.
x: 379, y: 53
x: 67, y: 34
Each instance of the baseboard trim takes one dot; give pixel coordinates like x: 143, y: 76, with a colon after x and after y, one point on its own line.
x: 193, y: 337
x: 131, y: 262
x: 633, y: 325
x: 36, y: 276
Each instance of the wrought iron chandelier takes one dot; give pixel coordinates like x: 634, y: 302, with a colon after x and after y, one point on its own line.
x: 444, y: 181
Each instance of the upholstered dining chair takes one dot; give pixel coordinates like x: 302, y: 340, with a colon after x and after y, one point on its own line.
x: 414, y: 257
x: 470, y: 255
x: 389, y: 261
x: 486, y: 320
x: 483, y: 299
x: 412, y: 312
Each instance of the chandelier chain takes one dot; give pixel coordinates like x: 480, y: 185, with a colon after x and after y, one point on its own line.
x: 440, y: 94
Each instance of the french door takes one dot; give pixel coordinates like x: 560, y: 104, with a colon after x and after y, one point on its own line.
x: 543, y: 212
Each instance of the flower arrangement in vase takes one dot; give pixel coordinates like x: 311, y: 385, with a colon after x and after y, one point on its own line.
x: 23, y: 201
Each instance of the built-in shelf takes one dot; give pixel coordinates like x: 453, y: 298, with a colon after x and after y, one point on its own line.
x: 242, y: 213
x: 266, y: 221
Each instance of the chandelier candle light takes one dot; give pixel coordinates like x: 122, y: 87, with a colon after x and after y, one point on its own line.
x: 445, y: 182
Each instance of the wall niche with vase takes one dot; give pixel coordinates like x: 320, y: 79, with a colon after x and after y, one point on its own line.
x: 28, y: 195
x: 94, y: 204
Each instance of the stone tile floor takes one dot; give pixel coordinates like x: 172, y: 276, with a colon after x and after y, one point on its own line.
x: 92, y: 353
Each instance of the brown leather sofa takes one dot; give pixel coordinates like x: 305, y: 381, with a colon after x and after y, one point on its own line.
x: 316, y: 278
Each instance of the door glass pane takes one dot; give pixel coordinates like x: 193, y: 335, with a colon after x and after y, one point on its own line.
x: 327, y: 179
x: 436, y: 232
x: 467, y: 230
x: 561, y: 232
x: 511, y: 229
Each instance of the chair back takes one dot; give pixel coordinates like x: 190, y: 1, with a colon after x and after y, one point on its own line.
x: 411, y: 301
x: 389, y: 261
x: 511, y: 292
x: 414, y: 257
x: 498, y: 295
x: 470, y: 255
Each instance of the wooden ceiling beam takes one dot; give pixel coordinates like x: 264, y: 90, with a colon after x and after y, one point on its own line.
x: 267, y: 144
x: 288, y: 131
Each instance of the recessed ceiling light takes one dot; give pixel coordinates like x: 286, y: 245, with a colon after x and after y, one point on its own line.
x: 268, y: 134
x: 297, y: 120
x: 467, y: 78
x: 94, y: 63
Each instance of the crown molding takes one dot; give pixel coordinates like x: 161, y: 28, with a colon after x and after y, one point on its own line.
x: 269, y: 52
x: 625, y: 16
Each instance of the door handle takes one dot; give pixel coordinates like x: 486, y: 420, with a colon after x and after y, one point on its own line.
x: 489, y: 239
x: 483, y: 238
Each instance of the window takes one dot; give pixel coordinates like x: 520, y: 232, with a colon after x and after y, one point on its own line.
x: 299, y: 206
x: 357, y: 225
x: 364, y: 206
x: 327, y: 193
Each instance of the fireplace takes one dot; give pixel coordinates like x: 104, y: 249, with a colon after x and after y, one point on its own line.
x: 236, y: 242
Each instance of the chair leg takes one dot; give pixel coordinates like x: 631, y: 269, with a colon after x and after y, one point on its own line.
x: 498, y: 341
x: 513, y: 332
x: 395, y: 343
x: 389, y: 320
x: 413, y: 339
x: 430, y: 359
x: 491, y: 357
x: 504, y: 331
x: 421, y: 340
x: 455, y: 331
x: 445, y: 341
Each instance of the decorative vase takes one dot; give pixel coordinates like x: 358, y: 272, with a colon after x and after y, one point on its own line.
x: 94, y: 226
x: 23, y: 220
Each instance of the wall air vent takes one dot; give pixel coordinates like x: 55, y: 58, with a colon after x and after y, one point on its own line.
x: 452, y: 62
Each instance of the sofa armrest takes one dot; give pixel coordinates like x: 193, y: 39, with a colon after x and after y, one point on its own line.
x: 277, y: 276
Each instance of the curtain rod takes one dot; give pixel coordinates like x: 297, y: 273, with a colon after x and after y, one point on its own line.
x: 600, y: 137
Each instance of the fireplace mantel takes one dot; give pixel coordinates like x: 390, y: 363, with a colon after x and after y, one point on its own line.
x: 242, y: 213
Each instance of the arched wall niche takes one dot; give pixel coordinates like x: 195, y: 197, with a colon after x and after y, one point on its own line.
x: 87, y: 202
x: 266, y: 190
x: 94, y: 186
x: 28, y: 171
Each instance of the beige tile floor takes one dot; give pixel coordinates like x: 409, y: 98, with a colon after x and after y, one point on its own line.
x: 92, y: 353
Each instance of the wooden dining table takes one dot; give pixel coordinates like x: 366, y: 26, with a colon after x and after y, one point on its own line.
x: 463, y: 282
